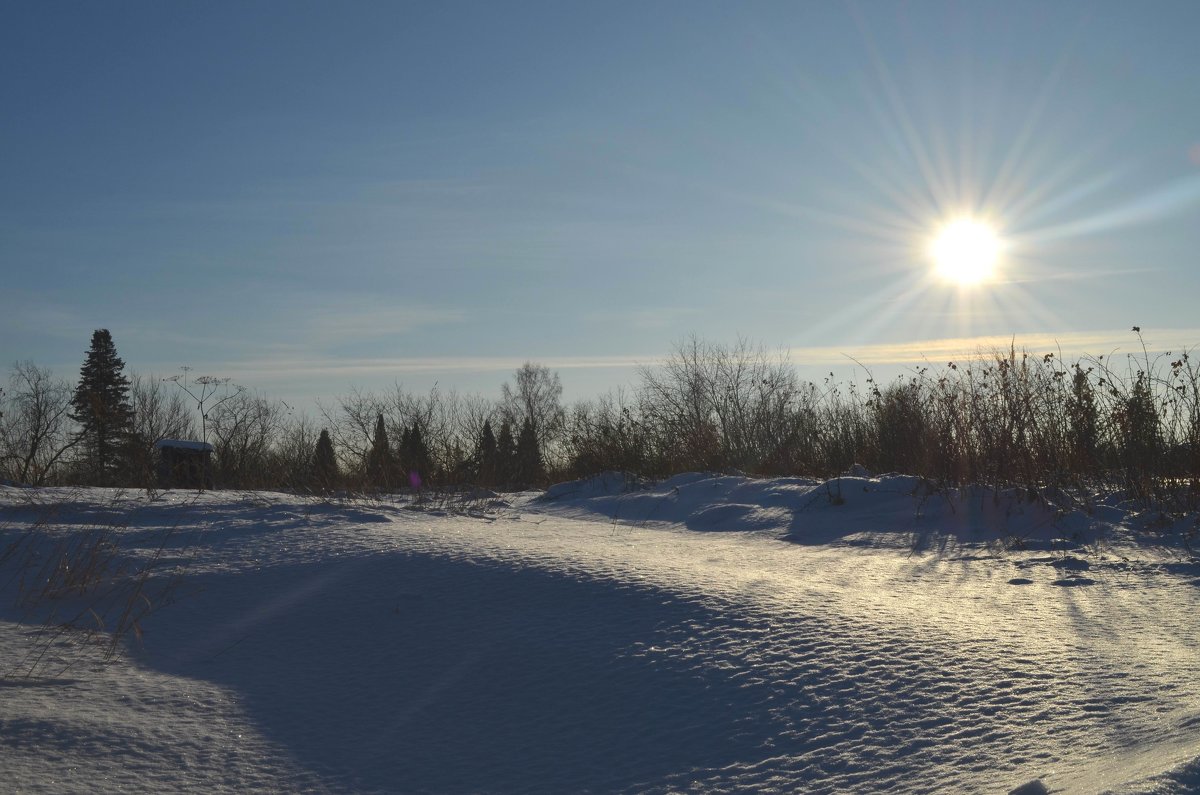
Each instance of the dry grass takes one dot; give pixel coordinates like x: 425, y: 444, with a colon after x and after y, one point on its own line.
x: 82, y: 585
x: 1003, y: 418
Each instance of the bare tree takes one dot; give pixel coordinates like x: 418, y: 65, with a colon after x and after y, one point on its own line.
x: 536, y: 395
x: 36, y: 431
x: 351, y: 425
x: 157, y: 412
x: 677, y: 408
x: 467, y: 414
x: 720, y: 405
x: 244, y: 427
x: 608, y: 433
x: 291, y: 456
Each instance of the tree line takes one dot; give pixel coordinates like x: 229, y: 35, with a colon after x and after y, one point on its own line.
x: 1003, y: 417
x: 103, y: 429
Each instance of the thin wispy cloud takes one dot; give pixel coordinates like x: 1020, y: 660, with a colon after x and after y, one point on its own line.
x: 24, y: 313
x: 316, y: 374
x: 340, y: 371
x: 347, y: 324
x: 648, y: 319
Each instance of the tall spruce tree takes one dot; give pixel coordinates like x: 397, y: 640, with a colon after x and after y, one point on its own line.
x: 325, y: 466
x: 102, y: 409
x: 381, y: 465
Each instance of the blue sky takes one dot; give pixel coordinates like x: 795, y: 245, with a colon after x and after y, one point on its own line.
x: 310, y: 196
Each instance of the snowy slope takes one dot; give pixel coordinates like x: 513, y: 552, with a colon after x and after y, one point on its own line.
x: 861, y: 635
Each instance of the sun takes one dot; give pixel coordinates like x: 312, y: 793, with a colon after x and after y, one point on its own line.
x: 965, y: 251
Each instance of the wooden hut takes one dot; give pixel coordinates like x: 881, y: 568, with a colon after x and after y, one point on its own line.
x: 184, y: 464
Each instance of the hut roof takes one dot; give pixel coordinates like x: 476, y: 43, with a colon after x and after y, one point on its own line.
x: 183, y: 444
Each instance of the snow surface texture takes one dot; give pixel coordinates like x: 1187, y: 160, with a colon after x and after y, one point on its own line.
x: 859, y: 635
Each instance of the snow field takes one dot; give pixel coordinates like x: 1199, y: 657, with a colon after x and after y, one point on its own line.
x: 549, y: 648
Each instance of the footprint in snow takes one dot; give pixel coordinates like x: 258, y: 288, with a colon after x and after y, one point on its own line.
x: 1020, y: 581
x: 1071, y: 582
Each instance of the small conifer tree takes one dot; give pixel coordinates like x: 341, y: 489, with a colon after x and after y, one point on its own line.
x: 530, y: 470
x: 325, y: 466
x: 416, y: 457
x: 102, y: 409
x: 1142, y: 440
x: 506, y: 455
x: 1084, y: 419
x: 381, y: 465
x: 485, y: 456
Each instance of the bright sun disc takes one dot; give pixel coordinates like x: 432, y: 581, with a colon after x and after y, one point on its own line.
x: 965, y: 251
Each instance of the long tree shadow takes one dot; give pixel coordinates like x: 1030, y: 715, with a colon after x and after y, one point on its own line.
x: 400, y: 672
